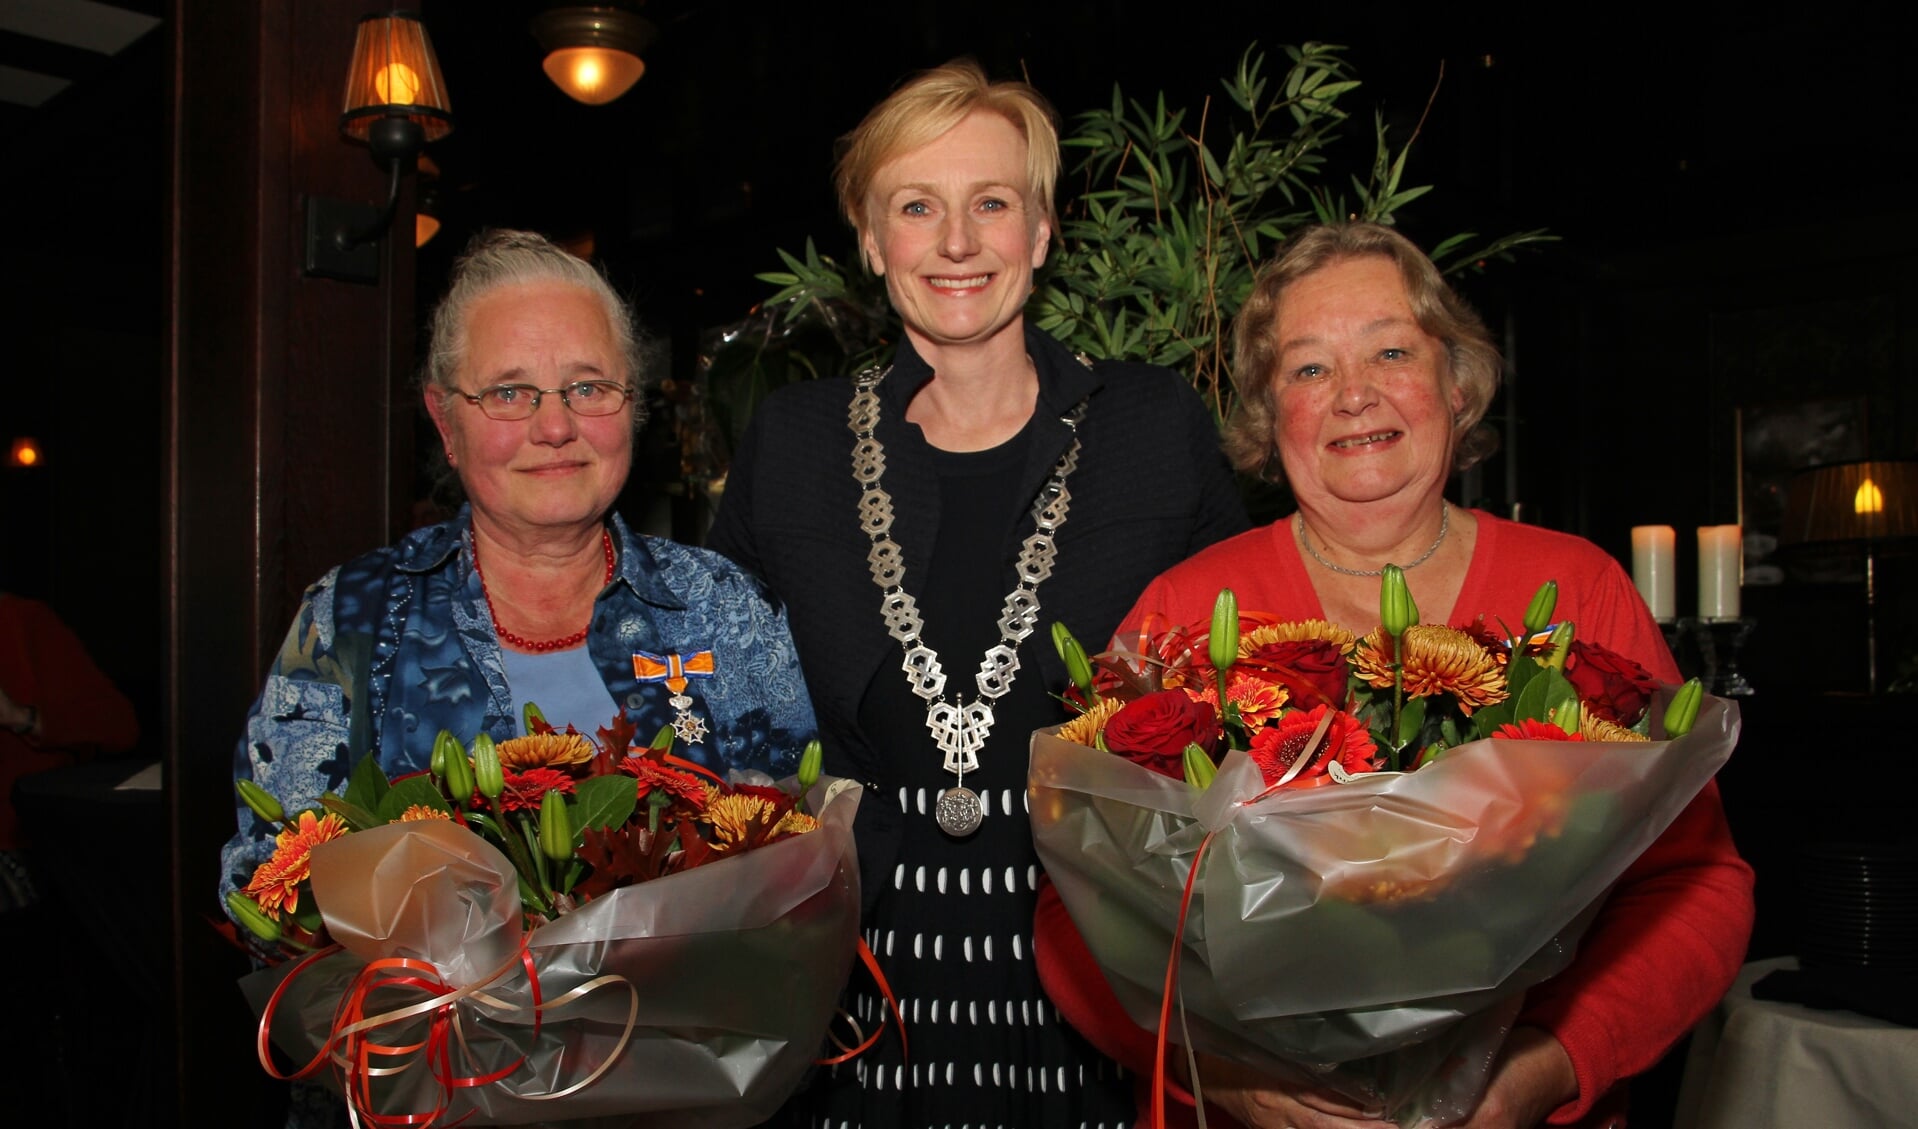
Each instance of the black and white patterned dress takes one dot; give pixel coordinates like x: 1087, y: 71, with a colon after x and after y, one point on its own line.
x: 953, y: 928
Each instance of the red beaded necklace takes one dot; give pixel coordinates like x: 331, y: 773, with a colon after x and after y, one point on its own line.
x: 540, y: 646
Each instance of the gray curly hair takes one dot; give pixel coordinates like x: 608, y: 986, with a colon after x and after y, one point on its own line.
x: 500, y: 257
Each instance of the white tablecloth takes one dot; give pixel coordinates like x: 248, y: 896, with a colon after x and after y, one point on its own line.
x: 1758, y: 1064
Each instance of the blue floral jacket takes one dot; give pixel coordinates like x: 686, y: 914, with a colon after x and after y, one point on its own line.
x: 397, y: 645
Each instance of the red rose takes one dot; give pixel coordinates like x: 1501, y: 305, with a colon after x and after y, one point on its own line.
x: 1613, y: 686
x: 1313, y: 671
x: 1153, y: 730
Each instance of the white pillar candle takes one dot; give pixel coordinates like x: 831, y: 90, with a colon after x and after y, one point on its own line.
x: 1720, y: 552
x: 1653, y: 567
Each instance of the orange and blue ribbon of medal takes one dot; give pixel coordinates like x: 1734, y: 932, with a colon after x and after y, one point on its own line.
x: 673, y: 670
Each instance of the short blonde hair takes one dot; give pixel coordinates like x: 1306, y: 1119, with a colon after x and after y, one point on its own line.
x: 1471, y: 358
x: 922, y: 110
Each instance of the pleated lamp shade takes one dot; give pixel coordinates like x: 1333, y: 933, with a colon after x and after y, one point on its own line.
x: 1867, y: 503
x: 395, y: 72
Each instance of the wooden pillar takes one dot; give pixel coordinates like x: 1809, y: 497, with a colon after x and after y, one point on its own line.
x: 288, y: 435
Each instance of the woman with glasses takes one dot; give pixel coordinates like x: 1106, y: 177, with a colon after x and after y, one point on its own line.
x: 536, y: 592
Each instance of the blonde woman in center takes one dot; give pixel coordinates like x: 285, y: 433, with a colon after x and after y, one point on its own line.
x: 925, y: 524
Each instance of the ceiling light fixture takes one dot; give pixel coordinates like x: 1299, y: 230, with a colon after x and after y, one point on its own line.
x: 593, y: 51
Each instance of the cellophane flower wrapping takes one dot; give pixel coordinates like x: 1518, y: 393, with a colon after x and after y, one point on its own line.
x: 737, y: 968
x: 1374, y: 937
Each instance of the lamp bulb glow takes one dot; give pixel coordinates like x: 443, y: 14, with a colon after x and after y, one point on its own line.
x: 397, y: 84
x: 1869, y: 499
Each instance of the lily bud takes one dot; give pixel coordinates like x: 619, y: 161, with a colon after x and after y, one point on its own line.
x: 528, y: 714
x: 1078, y: 666
x: 437, y: 765
x: 1682, y: 713
x: 1397, y: 610
x: 261, y: 801
x: 664, y: 738
x: 247, y: 912
x: 1223, y: 644
x: 555, y: 827
x: 809, y: 764
x: 1539, y: 612
x: 488, y: 775
x: 459, y: 775
x: 1199, y: 769
x: 1561, y: 644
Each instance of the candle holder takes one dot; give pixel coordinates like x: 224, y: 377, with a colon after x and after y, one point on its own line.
x: 1678, y: 642
x: 1719, y: 641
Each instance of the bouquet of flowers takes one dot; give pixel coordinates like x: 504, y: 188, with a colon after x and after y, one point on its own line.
x: 1359, y: 851
x: 552, y: 928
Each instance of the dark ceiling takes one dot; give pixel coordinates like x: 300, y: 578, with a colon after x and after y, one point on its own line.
x: 1619, y: 127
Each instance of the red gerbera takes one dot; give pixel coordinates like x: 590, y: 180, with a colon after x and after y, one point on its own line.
x: 276, y: 884
x: 1532, y: 729
x: 524, y: 790
x: 679, y: 785
x: 1277, y: 747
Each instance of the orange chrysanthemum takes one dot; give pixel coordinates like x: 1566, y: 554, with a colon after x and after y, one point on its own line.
x: 1595, y: 728
x: 1438, y: 660
x: 276, y: 884
x: 737, y: 818
x: 544, y: 750
x: 1084, y: 729
x: 796, y: 822
x: 420, y: 812
x: 1296, y: 631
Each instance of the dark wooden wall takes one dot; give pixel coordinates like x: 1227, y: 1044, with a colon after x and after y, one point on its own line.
x: 286, y: 414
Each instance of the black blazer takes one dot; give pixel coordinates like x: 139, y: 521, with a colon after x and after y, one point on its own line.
x: 1152, y: 487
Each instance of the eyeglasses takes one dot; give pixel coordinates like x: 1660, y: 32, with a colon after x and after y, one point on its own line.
x: 511, y: 402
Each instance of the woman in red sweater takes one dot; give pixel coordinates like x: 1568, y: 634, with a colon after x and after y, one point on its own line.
x: 1364, y: 376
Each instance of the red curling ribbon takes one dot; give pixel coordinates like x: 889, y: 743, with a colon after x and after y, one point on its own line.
x: 360, y: 1059
x: 1171, y: 983
x: 892, y: 1004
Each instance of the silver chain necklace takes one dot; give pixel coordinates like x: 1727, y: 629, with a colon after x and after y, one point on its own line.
x: 1445, y: 526
x: 958, y: 728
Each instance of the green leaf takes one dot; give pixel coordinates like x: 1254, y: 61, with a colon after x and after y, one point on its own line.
x: 366, y: 787
x: 604, y: 801
x: 356, y: 817
x: 1411, y: 720
x: 411, y: 792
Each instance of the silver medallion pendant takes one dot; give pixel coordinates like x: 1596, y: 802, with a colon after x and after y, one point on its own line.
x: 959, y: 812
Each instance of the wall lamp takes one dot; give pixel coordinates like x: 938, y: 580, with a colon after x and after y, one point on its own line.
x: 395, y: 104
x: 593, y: 51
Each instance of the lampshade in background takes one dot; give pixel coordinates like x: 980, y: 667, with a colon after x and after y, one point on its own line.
x: 593, y: 51
x: 1865, y: 508
x: 1852, y: 503
x: 25, y: 453
x: 395, y: 74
